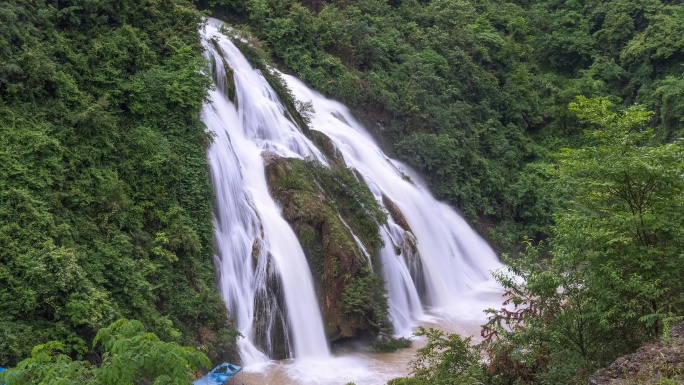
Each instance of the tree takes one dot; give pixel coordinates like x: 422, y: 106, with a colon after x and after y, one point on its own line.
x: 613, y: 273
x: 446, y: 359
x: 628, y: 218
x: 132, y: 356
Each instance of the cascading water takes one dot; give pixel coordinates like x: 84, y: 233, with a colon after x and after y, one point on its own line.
x: 446, y: 260
x: 431, y: 256
x: 263, y: 273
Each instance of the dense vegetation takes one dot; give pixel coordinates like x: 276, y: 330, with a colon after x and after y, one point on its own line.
x: 105, y: 205
x: 611, y: 276
x: 105, y: 209
x: 614, y: 274
x: 130, y: 355
x: 473, y: 93
x: 609, y: 279
x: 532, y: 118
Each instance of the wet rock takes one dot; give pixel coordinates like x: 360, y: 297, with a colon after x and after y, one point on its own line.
x: 270, y: 317
x: 225, y: 82
x: 323, y: 142
x: 396, y: 213
x: 335, y: 258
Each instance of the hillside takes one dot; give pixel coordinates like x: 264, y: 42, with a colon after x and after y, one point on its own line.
x: 105, y: 204
x: 554, y: 126
x: 474, y: 94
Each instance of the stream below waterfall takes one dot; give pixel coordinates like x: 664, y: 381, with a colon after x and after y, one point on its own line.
x: 435, y: 267
x: 353, y: 364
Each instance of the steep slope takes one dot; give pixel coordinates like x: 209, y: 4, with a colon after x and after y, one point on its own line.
x: 105, y: 205
x: 473, y: 94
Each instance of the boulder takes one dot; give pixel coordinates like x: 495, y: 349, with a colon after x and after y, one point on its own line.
x: 326, y: 230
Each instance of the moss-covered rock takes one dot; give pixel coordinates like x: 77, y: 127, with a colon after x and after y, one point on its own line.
x: 225, y: 84
x: 323, y: 142
x: 260, y: 60
x: 324, y: 206
x: 396, y: 213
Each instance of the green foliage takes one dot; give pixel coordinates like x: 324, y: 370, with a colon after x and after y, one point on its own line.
x: 105, y: 206
x: 131, y: 356
x: 668, y: 100
x: 365, y: 298
x: 470, y: 92
x: 445, y: 359
x: 613, y: 278
x: 353, y: 201
x: 628, y: 214
x: 47, y: 365
x: 341, y: 189
x: 542, y: 335
x: 388, y: 344
x: 530, y: 199
x: 335, y: 266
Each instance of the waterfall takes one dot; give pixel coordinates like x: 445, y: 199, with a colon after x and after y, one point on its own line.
x: 442, y: 260
x: 263, y: 273
x: 431, y: 257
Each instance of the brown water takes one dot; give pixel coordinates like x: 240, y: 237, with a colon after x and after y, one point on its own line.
x: 359, y: 367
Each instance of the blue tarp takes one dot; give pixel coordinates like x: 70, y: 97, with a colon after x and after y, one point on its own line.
x: 219, y: 375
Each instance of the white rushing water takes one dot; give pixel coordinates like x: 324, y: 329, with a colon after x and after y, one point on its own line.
x: 431, y: 258
x: 249, y: 226
x: 454, y: 262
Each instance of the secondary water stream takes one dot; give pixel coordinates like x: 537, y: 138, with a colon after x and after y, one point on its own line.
x: 431, y: 260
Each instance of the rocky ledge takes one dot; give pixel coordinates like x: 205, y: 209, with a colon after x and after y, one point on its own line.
x: 660, y: 362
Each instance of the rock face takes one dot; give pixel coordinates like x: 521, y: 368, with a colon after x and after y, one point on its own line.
x: 269, y: 315
x: 396, y: 213
x: 224, y: 82
x: 409, y: 247
x: 336, y: 220
x: 327, y: 147
x: 660, y: 362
